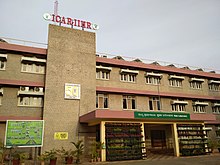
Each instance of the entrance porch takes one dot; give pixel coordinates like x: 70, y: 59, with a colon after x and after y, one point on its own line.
x: 128, y: 135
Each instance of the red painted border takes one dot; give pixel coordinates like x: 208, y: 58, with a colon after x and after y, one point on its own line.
x: 156, y: 67
x: 106, y: 114
x: 43, y: 51
x: 21, y: 82
x: 87, y: 117
x: 21, y: 48
x: 129, y: 115
x: 212, y: 122
x: 205, y: 117
x: 153, y: 93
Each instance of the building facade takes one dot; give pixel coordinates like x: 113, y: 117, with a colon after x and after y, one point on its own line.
x: 132, y: 107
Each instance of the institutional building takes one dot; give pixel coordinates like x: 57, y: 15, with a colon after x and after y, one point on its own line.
x: 132, y: 107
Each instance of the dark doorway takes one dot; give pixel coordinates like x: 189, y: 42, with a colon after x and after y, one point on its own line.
x: 158, y: 138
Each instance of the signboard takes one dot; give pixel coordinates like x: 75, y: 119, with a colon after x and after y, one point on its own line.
x: 24, y: 133
x: 70, y: 21
x: 161, y: 115
x: 61, y: 135
x: 72, y: 91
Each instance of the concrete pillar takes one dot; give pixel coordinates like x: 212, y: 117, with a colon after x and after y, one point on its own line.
x: 175, y: 140
x: 70, y: 59
x: 102, y: 140
x: 143, y: 138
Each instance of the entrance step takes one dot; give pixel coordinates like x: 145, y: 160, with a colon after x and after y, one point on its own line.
x: 162, y: 151
x: 152, y: 156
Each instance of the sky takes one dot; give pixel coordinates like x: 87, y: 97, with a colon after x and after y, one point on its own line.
x: 183, y: 32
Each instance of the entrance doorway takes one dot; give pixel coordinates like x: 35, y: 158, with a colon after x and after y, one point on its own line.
x: 158, y: 138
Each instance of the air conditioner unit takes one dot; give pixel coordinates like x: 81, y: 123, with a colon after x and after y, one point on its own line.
x: 22, y: 88
x: 36, y: 89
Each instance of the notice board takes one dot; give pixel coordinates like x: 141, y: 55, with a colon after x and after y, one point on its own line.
x: 24, y: 133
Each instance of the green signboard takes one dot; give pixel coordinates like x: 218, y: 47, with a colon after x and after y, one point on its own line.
x: 24, y: 133
x: 161, y: 115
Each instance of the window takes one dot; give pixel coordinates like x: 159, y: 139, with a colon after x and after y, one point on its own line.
x: 2, y: 64
x: 179, y: 105
x: 154, y: 103
x: 101, y: 101
x: 196, y: 83
x: 216, y: 108
x: 1, y: 95
x: 3, y: 59
x: 30, y: 101
x: 0, y: 99
x: 33, y: 68
x: 214, y: 85
x: 103, y: 72
x: 30, y: 96
x: 199, y: 107
x: 129, y: 102
x: 33, y: 65
x: 128, y: 75
x: 217, y: 132
x: 175, y: 81
x: 153, y: 78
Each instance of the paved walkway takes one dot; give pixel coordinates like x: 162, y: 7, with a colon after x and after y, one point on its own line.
x: 212, y: 159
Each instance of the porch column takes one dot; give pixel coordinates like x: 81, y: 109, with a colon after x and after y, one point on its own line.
x: 143, y: 139
x: 175, y: 140
x: 102, y: 140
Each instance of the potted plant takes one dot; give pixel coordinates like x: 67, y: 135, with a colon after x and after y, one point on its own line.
x: 218, y: 145
x: 67, y: 155
x: 94, y: 153
x: 99, y: 147
x: 42, y: 158
x: 15, y: 158
x: 23, y: 157
x: 79, y: 150
x: 212, y: 144
x: 3, y: 150
x: 52, y: 156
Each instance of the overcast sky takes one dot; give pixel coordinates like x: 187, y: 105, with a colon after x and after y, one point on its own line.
x: 177, y: 31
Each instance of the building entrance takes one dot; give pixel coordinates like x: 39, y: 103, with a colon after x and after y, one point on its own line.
x: 159, y: 139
